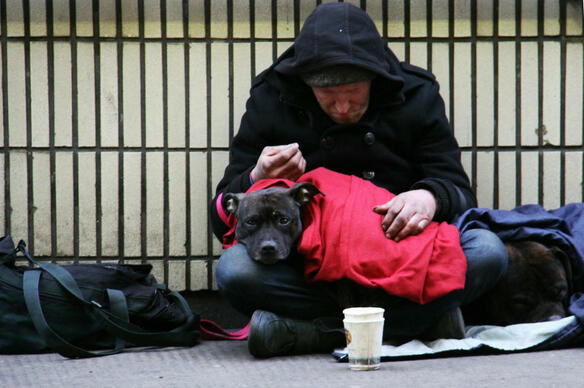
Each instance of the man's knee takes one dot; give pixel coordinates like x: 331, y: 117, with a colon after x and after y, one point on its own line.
x: 234, y: 270
x: 487, y: 260
x: 485, y: 249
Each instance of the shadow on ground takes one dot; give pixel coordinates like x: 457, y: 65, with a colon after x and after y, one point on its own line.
x: 210, y: 305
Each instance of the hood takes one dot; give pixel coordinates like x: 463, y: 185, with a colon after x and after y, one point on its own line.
x: 335, y: 34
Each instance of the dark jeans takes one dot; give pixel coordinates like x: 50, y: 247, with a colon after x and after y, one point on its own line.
x: 280, y: 288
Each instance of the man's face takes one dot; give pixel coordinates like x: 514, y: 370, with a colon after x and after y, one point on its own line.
x: 344, y: 104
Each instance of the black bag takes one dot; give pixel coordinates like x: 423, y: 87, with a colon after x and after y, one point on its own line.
x: 87, y: 310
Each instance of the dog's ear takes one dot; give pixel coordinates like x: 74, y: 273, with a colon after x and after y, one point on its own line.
x: 303, y: 192
x: 230, y: 201
x: 565, y: 260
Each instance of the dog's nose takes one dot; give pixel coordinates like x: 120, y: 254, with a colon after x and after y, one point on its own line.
x: 268, y: 247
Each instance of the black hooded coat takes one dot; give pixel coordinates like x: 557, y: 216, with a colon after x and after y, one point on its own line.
x: 402, y: 142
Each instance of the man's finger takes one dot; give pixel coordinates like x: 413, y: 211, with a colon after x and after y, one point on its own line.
x: 393, y: 212
x: 294, y: 167
x: 296, y: 159
x: 284, y: 154
x: 273, y: 150
x: 380, y: 209
x: 285, y: 164
x: 393, y: 228
x: 412, y: 227
x: 302, y: 166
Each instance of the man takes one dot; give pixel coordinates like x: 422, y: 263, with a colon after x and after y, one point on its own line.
x: 339, y: 98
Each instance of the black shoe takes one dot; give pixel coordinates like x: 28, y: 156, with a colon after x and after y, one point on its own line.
x: 450, y: 325
x: 271, y: 335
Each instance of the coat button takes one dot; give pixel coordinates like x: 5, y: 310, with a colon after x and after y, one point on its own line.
x: 368, y: 175
x: 369, y: 138
x: 327, y: 142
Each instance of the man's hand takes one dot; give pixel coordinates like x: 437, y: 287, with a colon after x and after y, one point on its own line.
x: 407, y: 214
x: 283, y: 161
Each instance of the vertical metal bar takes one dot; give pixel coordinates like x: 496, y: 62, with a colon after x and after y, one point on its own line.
x: 209, y: 141
x: 52, y: 151
x: 296, y: 18
x: 582, y: 124
x: 75, y: 126
x: 496, y: 167
x: 120, y: 72
x: 563, y: 5
x: 252, y: 38
x: 143, y: 183
x: 407, y: 30
x: 451, y: 62
x: 518, y: 145
x: 188, y: 230
x: 97, y: 83
x: 230, y: 67
x: 165, y: 188
x: 473, y: 76
x: 274, y: 29
x: 429, y: 38
x: 5, y: 125
x: 385, y: 20
x: 28, y: 116
x: 540, y: 124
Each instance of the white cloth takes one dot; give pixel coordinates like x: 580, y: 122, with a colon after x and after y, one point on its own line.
x: 507, y: 339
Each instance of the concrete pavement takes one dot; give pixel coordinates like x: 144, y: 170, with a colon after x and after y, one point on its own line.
x: 228, y: 364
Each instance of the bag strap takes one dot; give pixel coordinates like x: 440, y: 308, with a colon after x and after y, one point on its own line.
x: 31, y: 281
x: 210, y: 330
x: 115, y: 322
x: 184, y: 335
x: 61, y: 275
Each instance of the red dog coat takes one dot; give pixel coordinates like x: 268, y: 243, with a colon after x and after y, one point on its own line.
x: 343, y: 238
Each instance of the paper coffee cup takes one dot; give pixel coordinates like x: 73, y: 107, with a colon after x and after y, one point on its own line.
x: 364, y: 331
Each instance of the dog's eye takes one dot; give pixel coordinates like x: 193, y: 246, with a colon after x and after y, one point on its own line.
x: 252, y: 221
x: 521, y: 303
x: 560, y: 292
x: 284, y: 220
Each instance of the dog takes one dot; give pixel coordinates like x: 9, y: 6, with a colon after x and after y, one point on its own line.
x: 536, y: 287
x: 269, y: 221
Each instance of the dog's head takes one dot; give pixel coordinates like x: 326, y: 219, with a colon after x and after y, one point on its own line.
x: 269, y: 221
x: 535, y: 288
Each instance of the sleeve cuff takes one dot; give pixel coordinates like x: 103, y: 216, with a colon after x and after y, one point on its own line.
x: 439, y: 193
